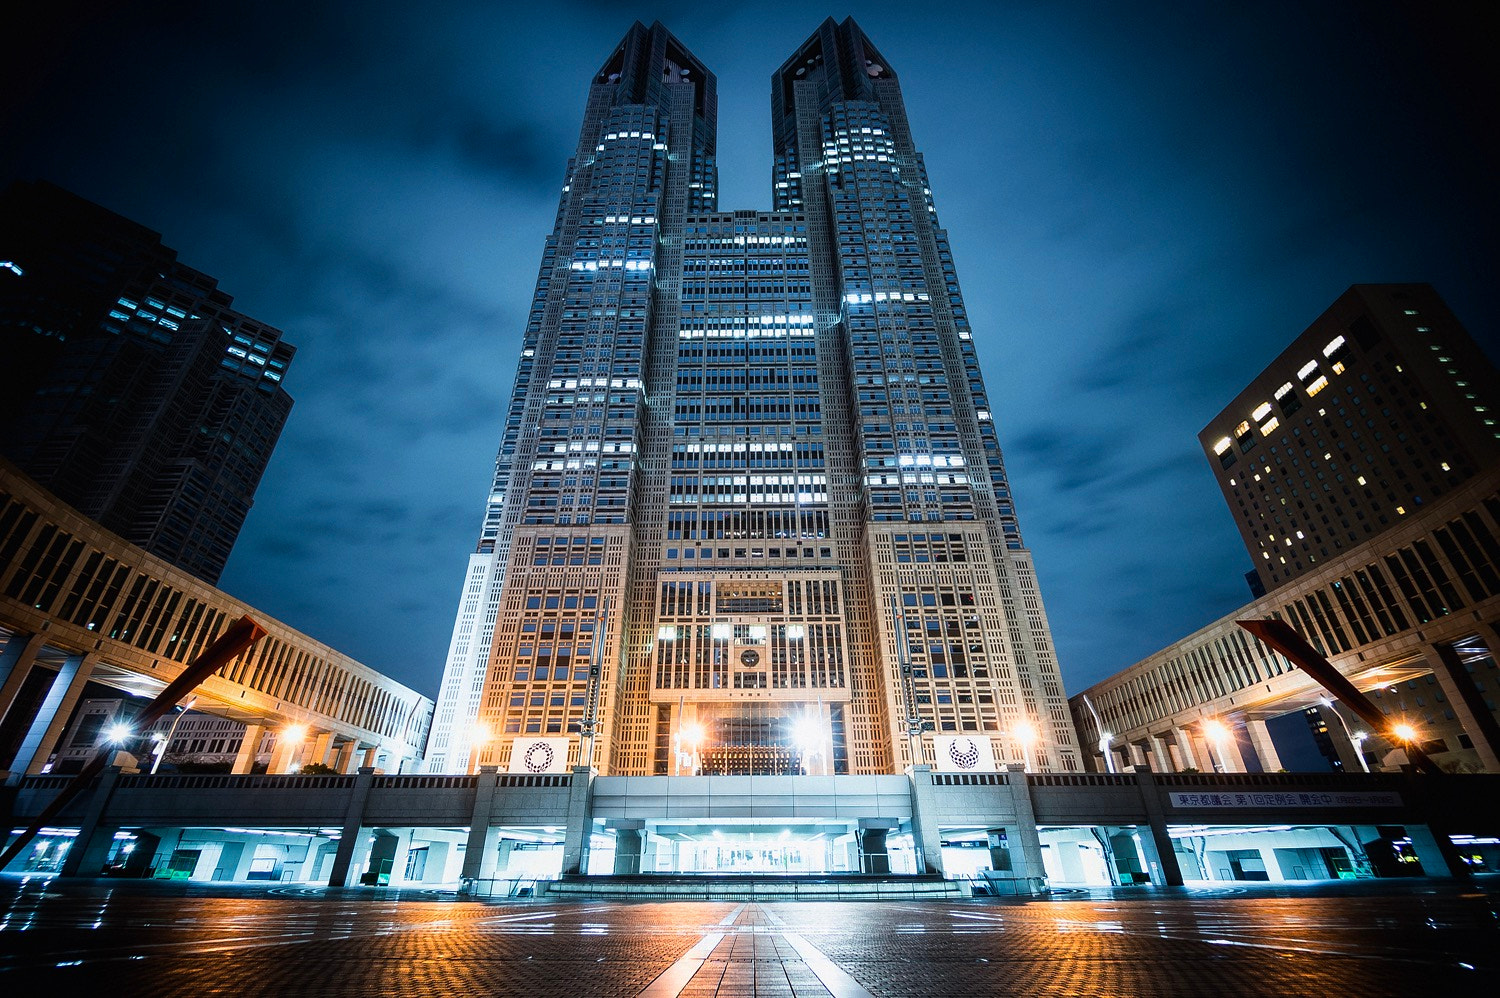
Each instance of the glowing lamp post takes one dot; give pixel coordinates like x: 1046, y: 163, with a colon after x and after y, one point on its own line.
x: 295, y: 734
x: 689, y: 740
x: 1356, y: 739
x: 1025, y: 733
x: 1218, y: 735
x: 162, y: 741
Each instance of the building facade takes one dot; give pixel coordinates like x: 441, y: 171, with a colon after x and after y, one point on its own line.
x: 749, y: 513
x: 81, y: 609
x: 1383, y: 404
x: 1363, y: 469
x: 132, y: 389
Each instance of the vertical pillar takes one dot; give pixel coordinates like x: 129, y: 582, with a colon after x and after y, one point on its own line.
x: 630, y: 842
x: 320, y: 747
x: 580, y: 821
x: 1185, y: 747
x: 479, y: 859
x: 1161, y: 753
x: 1472, y: 713
x: 91, y: 847
x: 924, y: 831
x: 354, y: 818
x: 371, y: 756
x: 344, y: 758
x: 285, y: 753
x: 16, y: 661
x: 52, y: 717
x: 874, y: 854
x: 1165, y: 869
x: 244, y: 759
x: 1031, y: 841
x: 1260, y: 741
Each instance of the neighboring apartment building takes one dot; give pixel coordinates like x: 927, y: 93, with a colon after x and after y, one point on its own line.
x: 131, y: 389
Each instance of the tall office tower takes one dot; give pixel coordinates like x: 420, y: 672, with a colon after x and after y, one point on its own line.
x: 131, y: 389
x: 749, y: 511
x: 1383, y: 404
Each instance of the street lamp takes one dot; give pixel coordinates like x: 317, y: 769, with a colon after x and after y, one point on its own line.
x: 1025, y: 733
x: 1217, y: 734
x: 118, y: 733
x: 1357, y: 740
x: 1104, y: 736
x: 294, y: 734
x: 1405, y: 732
x: 480, y: 736
x: 162, y: 741
x: 689, y: 738
x: 807, y: 735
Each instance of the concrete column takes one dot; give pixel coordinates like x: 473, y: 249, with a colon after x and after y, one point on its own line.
x: 52, y: 717
x: 244, y: 760
x: 354, y: 817
x: 284, y: 754
x: 1161, y: 753
x: 874, y: 855
x: 16, y: 661
x: 1030, y: 841
x: 479, y: 859
x: 580, y: 823
x: 1436, y: 860
x: 91, y: 847
x: 1185, y: 747
x: 343, y: 761
x: 1469, y: 708
x: 1260, y: 740
x: 1269, y: 860
x: 371, y: 756
x: 630, y: 841
x: 321, y: 745
x: 924, y: 829
x: 1164, y: 867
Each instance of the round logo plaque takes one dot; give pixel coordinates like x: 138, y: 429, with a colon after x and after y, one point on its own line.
x: 749, y: 658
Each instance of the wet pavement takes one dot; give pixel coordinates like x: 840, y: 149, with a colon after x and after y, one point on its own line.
x: 1365, y: 939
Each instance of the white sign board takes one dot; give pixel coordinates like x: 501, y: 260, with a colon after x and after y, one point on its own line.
x: 963, y: 754
x: 539, y: 755
x: 1282, y: 798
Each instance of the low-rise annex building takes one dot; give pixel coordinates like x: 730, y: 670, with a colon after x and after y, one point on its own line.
x: 78, y: 605
x: 1409, y: 617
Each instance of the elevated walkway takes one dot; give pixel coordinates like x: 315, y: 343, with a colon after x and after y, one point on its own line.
x: 751, y: 887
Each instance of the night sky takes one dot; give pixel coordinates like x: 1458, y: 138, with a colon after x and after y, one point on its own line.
x: 1146, y: 203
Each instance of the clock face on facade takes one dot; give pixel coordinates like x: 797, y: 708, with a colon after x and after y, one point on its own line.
x: 749, y: 658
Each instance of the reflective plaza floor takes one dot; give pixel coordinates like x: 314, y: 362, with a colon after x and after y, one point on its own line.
x: 1364, y: 939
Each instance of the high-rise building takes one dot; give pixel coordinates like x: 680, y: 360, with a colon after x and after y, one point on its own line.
x: 131, y: 389
x: 749, y: 512
x: 1381, y: 405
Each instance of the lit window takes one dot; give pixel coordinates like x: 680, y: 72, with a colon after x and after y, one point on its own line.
x: 1268, y: 426
x: 1260, y: 411
x: 1281, y: 392
x: 1317, y: 386
x: 1307, y: 369
x: 1333, y: 345
x: 1221, y: 445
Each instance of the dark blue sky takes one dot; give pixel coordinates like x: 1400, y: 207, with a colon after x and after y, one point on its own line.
x: 1146, y: 202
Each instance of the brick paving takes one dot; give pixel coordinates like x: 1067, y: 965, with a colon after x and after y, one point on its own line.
x: 123, y: 939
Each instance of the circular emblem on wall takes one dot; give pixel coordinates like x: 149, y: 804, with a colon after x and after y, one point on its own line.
x: 964, y: 753
x: 538, y: 757
x: 749, y: 657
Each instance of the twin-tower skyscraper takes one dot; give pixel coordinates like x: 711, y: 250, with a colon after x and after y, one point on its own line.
x: 750, y: 514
